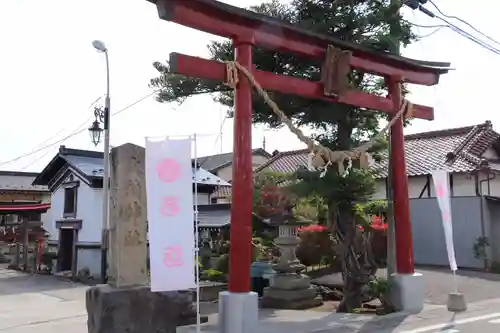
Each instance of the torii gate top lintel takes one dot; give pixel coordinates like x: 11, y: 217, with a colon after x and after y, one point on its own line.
x: 228, y: 21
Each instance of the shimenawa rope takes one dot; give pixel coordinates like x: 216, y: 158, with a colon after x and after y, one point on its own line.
x: 321, y: 153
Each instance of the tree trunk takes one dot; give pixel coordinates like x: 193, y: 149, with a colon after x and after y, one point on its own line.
x: 353, y: 298
x: 356, y: 271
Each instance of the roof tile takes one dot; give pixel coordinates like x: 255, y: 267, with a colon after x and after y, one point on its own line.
x: 455, y: 150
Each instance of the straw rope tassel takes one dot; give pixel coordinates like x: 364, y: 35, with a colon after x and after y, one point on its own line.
x: 321, y: 153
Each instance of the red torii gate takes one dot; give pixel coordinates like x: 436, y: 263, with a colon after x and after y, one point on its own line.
x: 247, y: 29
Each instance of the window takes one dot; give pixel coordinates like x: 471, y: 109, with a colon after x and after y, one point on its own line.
x: 70, y: 202
x: 34, y: 217
x: 11, y: 219
x: 213, y: 201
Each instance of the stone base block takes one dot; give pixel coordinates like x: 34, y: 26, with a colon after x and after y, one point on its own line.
x: 291, y: 299
x: 290, y: 282
x: 291, y: 295
x: 279, y: 303
x: 408, y: 292
x: 209, y: 291
x: 456, y: 302
x: 137, y: 310
x: 238, y: 312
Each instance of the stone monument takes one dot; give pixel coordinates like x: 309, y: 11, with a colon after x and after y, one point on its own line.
x: 205, y: 255
x: 126, y: 304
x: 289, y: 289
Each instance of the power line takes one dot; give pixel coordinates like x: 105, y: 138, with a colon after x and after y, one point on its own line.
x: 469, y: 36
x: 459, y: 30
x: 427, y: 26
x: 34, y: 161
x: 219, y: 135
x: 76, y: 132
x: 464, y: 22
x: 52, y: 137
x: 429, y: 34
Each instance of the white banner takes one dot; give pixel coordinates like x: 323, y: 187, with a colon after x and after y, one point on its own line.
x: 169, y: 188
x: 442, y: 190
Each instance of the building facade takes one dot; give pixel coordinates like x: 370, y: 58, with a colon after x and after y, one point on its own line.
x: 16, y: 188
x: 221, y: 165
x: 24, y: 208
x: 471, y: 155
x: 75, y: 179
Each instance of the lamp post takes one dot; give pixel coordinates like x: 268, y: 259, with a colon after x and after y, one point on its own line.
x: 95, y: 131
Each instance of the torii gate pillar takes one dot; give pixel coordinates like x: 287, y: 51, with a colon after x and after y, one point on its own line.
x: 238, y: 308
x: 408, y: 287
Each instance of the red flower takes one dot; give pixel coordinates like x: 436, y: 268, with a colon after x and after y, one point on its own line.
x: 377, y: 223
x: 311, y: 228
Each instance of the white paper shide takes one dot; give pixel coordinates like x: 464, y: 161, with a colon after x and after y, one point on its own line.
x: 169, y: 179
x: 442, y: 189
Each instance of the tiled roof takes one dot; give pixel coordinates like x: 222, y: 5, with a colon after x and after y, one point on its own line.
x: 456, y: 150
x: 222, y: 192
x: 213, y: 216
x: 19, y: 181
x: 90, y: 164
x: 214, y: 162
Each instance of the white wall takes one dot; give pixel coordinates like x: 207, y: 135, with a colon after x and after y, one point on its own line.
x: 89, y: 210
x: 380, y: 189
x: 463, y: 186
x: 226, y: 173
x: 203, y: 198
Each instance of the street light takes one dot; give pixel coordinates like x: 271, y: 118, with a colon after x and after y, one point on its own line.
x: 96, y: 132
x: 99, y: 46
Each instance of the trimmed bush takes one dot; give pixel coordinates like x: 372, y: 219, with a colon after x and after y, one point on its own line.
x: 316, y: 245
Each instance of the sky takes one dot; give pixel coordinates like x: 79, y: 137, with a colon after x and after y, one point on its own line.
x: 50, y: 75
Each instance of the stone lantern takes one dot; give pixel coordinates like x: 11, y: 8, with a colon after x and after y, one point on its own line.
x: 289, y: 289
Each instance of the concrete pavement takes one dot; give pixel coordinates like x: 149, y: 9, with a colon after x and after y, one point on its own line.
x: 45, y: 304
x: 476, y: 285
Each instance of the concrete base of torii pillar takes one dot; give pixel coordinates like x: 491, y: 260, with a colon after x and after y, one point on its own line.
x: 238, y: 312
x: 408, y: 292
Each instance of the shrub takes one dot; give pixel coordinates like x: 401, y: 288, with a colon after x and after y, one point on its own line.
x: 213, y: 275
x: 47, y: 258
x: 224, y: 248
x: 222, y: 264
x: 379, y: 240
x: 316, y: 245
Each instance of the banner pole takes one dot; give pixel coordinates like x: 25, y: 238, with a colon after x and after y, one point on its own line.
x: 455, y: 280
x: 196, y: 236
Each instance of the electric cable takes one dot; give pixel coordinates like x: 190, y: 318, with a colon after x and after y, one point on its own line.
x: 208, y: 158
x: 54, y: 136
x: 429, y: 34
x: 459, y: 30
x: 464, y: 22
x: 470, y: 37
x: 76, y: 132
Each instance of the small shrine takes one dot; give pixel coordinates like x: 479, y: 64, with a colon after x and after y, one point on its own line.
x: 289, y: 288
x: 20, y: 226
